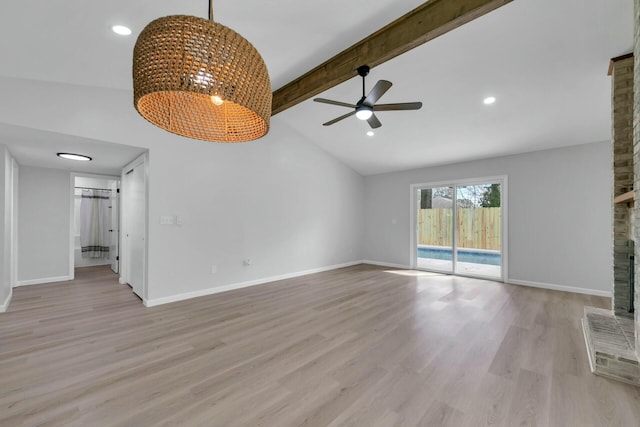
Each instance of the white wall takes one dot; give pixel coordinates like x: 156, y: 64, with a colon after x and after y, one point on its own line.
x: 43, y: 225
x: 93, y: 182
x: 281, y: 200
x: 291, y: 207
x: 559, y: 209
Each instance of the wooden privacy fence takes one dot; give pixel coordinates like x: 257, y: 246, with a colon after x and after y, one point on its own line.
x: 478, y: 228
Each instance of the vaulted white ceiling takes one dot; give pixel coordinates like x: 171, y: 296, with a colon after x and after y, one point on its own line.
x: 544, y: 60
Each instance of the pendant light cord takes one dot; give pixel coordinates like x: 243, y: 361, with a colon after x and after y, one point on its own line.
x: 211, y: 10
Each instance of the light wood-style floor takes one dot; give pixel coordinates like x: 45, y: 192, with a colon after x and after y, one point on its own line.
x: 361, y: 346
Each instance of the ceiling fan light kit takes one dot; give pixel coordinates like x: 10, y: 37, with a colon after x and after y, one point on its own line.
x: 363, y: 112
x: 366, y: 107
x: 197, y: 78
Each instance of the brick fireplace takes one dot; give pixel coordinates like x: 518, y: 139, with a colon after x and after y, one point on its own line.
x: 621, y: 72
x: 611, y: 335
x: 636, y: 160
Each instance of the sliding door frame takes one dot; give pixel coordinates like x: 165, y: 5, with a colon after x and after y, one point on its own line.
x: 455, y: 183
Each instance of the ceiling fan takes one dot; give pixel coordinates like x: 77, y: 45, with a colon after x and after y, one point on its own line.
x: 364, y: 109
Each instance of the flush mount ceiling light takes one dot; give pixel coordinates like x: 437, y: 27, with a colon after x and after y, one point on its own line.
x: 489, y: 100
x: 370, y: 133
x: 121, y: 30
x: 199, y: 79
x: 72, y: 156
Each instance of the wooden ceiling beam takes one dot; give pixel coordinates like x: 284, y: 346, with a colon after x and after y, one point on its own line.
x: 424, y: 23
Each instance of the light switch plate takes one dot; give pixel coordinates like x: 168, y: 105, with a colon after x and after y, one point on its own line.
x: 166, y: 220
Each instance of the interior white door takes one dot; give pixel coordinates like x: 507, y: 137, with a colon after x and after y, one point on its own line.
x: 114, y: 231
x: 134, y: 227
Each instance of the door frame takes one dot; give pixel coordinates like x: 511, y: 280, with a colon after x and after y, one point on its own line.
x: 13, y: 220
x: 504, y: 240
x: 115, y: 225
x: 142, y: 160
x: 72, y: 225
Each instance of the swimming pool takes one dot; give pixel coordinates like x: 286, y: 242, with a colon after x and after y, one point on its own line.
x: 464, y: 255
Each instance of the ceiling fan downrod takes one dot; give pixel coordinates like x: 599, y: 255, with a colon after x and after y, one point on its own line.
x: 363, y: 71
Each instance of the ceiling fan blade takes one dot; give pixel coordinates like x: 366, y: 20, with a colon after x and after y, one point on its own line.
x: 374, y: 122
x: 329, y: 101
x: 376, y: 93
x: 399, y: 106
x: 337, y: 119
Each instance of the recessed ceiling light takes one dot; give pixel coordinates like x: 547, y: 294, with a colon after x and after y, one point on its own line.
x: 121, y: 30
x: 72, y: 156
x: 489, y: 100
x: 370, y: 133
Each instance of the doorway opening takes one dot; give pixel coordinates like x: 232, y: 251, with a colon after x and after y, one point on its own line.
x: 460, y: 227
x: 95, y: 231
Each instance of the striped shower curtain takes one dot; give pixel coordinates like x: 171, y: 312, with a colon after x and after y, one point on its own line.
x: 95, y: 221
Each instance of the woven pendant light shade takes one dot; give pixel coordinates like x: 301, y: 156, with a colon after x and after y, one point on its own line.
x: 181, y: 62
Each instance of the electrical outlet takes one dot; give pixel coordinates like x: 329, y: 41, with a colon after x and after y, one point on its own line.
x: 214, y: 269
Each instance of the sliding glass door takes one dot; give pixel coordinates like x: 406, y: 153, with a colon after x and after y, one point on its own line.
x: 435, y: 229
x: 459, y: 228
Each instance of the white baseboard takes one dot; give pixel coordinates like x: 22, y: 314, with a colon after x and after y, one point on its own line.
x: 386, y: 264
x: 560, y: 288
x: 43, y: 281
x: 5, y: 305
x: 233, y: 286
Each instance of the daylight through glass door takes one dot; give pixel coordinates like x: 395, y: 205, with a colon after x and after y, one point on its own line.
x: 435, y: 229
x: 459, y: 229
